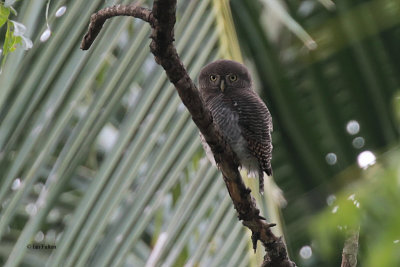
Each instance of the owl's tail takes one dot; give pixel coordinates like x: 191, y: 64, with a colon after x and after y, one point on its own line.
x: 268, y: 171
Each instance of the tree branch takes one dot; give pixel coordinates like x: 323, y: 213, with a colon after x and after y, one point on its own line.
x: 162, y: 20
x: 98, y: 19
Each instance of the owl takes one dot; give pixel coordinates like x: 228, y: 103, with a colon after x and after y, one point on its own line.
x: 240, y: 114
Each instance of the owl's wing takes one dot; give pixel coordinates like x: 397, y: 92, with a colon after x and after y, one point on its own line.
x: 255, y: 122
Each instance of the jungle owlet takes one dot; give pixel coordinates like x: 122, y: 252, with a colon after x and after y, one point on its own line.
x: 241, y: 115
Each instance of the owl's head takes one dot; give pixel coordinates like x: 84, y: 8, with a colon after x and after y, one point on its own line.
x: 223, y: 76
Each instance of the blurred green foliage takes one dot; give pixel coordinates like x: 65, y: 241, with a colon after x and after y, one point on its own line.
x: 370, y: 204
x: 315, y: 93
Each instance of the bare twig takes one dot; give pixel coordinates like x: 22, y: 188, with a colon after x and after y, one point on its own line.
x: 162, y: 20
x: 350, y: 249
x: 98, y: 19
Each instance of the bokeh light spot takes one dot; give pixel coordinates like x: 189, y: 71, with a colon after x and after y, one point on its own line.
x: 353, y: 127
x: 306, y: 252
x: 358, y: 142
x: 331, y: 158
x: 366, y: 159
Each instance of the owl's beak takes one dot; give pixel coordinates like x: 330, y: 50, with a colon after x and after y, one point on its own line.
x: 222, y: 85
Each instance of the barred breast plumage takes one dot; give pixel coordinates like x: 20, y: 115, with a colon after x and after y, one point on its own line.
x: 241, y: 115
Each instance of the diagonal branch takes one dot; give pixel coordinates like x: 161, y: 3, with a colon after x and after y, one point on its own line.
x: 162, y: 20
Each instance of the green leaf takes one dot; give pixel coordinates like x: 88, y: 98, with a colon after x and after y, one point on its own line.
x: 11, y: 41
x: 4, y: 13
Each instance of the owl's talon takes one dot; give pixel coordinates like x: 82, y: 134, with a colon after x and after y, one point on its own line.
x: 242, y: 217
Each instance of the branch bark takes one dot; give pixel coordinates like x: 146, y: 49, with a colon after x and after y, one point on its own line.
x: 162, y: 20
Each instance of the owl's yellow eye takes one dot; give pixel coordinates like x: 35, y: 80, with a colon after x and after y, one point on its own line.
x: 232, y: 77
x: 213, y: 78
